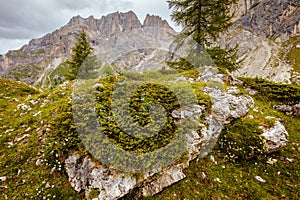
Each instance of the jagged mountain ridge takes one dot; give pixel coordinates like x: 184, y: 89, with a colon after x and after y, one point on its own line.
x: 262, y: 29
x: 46, y: 53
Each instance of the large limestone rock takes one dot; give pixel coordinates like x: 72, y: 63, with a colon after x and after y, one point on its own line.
x: 85, y: 175
x: 227, y: 107
x: 78, y: 174
x: 275, y: 137
x: 289, y: 109
x: 168, y: 177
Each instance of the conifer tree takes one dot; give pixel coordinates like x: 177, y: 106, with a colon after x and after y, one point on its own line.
x: 80, y: 52
x: 204, y: 20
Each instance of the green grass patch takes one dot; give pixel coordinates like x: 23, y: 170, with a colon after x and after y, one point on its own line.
x: 242, y: 140
x: 293, y: 56
x: 25, y: 134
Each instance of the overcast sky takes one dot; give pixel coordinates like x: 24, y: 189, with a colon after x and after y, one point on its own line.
x: 22, y: 20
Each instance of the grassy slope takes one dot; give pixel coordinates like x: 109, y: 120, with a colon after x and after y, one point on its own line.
x: 293, y: 56
x: 238, y: 179
x: 25, y: 180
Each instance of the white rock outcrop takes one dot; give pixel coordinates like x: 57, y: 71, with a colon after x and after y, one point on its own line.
x: 275, y: 137
x: 169, y: 176
x: 227, y: 107
x: 289, y: 109
x: 85, y: 176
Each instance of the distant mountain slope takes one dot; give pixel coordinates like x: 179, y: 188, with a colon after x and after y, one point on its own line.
x: 112, y: 37
x: 269, y: 18
x: 268, y: 33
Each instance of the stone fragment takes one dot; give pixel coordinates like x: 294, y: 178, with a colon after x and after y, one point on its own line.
x: 275, y: 137
x: 260, y: 179
x: 3, y: 178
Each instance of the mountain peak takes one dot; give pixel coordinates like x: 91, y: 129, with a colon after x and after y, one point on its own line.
x: 118, y: 22
x: 76, y: 20
x: 155, y: 21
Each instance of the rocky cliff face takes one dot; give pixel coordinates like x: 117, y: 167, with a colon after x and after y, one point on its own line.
x: 242, y: 7
x: 266, y: 32
x: 262, y: 57
x: 112, y: 37
x: 118, y: 22
x: 270, y: 18
x: 156, y: 21
x: 267, y: 35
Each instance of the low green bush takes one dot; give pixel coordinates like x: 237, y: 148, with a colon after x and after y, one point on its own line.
x: 139, y: 108
x: 284, y: 94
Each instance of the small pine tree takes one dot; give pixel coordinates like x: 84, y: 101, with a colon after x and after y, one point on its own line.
x: 204, y: 21
x: 80, y: 52
x: 90, y: 68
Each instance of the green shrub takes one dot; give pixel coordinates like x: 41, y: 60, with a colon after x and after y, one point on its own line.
x: 139, y: 108
x: 284, y: 94
x: 93, y: 194
x: 17, y: 89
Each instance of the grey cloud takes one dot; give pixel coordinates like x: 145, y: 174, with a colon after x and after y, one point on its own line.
x: 11, y: 33
x: 21, y: 19
x: 12, y: 43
